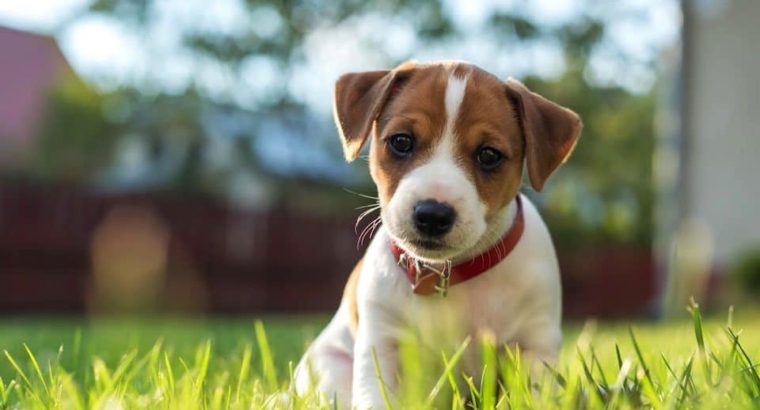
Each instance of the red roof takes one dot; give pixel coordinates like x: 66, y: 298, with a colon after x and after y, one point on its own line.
x: 29, y: 65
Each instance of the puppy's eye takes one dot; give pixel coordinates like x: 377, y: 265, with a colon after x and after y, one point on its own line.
x: 401, y: 144
x: 488, y: 158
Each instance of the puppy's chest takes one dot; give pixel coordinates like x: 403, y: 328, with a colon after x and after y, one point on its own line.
x: 486, y: 304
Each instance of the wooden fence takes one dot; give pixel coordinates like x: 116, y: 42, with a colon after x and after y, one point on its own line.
x: 216, y: 258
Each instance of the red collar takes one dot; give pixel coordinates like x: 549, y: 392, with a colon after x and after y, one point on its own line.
x: 427, y: 279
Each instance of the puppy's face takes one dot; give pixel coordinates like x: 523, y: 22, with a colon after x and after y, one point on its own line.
x: 446, y: 157
x: 449, y: 141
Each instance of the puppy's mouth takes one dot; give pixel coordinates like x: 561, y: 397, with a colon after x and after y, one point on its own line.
x: 424, y: 247
x: 433, y: 250
x: 429, y: 244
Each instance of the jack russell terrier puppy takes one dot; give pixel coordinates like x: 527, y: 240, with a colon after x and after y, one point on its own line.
x: 460, y: 251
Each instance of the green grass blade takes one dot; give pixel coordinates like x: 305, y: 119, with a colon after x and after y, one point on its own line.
x: 20, y: 372
x: 169, y: 371
x: 267, y: 358
x: 640, y: 356
x: 699, y: 334
x: 697, y: 319
x: 489, y: 374
x: 18, y: 369
x: 379, y: 376
x: 595, y: 361
x: 750, y: 367
x: 3, y: 394
x: 37, y: 369
x: 202, y: 361
x: 647, y: 385
x: 590, y: 378
x: 245, y: 366
x: 457, y: 396
x: 447, y: 372
x: 684, y: 382
x: 474, y: 391
x: 558, y: 377
x: 76, y: 350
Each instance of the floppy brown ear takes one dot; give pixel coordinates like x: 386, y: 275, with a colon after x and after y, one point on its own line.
x: 359, y: 99
x: 550, y: 131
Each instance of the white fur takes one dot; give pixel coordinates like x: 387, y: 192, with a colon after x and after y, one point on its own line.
x: 517, y: 301
x: 455, y: 88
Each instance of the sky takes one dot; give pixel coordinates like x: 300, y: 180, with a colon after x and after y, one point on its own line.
x: 109, y: 53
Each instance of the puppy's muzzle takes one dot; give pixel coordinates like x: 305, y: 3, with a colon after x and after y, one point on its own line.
x: 433, y: 219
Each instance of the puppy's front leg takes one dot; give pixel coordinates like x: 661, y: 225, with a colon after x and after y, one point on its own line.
x: 540, y: 347
x: 378, y: 337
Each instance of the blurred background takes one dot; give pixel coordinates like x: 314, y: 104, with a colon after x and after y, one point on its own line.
x: 179, y: 156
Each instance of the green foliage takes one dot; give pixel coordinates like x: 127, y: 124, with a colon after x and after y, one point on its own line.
x: 75, y: 139
x: 746, y: 272
x: 604, y: 193
x: 166, y: 124
x: 223, y: 363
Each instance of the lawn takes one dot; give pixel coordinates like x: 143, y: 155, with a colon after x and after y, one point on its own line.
x: 245, y: 363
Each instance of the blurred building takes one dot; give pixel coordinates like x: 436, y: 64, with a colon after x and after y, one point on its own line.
x: 708, y: 158
x: 30, y: 65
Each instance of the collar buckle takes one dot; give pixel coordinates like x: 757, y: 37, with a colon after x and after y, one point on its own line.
x: 444, y: 276
x: 443, y: 273
x: 403, y: 260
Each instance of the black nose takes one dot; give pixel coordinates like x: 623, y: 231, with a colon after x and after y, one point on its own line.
x: 433, y: 218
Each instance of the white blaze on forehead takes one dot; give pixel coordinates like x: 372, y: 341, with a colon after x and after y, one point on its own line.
x: 456, y: 86
x: 454, y: 95
x: 455, y: 89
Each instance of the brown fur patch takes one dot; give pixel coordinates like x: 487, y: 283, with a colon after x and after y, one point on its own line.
x: 349, y: 295
x: 550, y: 131
x: 486, y: 119
x: 418, y: 109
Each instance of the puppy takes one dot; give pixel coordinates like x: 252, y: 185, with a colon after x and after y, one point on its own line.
x: 460, y: 250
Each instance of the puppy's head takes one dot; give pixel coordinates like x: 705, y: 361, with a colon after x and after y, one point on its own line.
x: 449, y: 143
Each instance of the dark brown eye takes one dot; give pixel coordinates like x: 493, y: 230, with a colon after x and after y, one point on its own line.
x: 401, y: 144
x: 488, y: 158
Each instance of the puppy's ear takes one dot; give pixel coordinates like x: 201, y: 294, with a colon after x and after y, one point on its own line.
x: 359, y: 99
x: 550, y: 131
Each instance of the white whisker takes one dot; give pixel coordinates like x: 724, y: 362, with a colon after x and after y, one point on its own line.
x: 368, y: 231
x: 372, y: 205
x: 364, y: 215
x: 361, y: 195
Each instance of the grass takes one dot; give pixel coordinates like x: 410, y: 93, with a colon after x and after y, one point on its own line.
x: 240, y: 363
